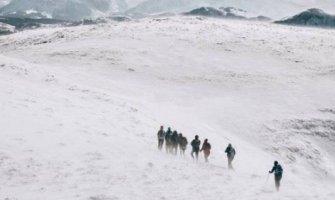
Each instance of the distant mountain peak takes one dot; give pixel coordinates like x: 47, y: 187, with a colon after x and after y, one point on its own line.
x: 316, y: 11
x: 62, y: 9
x: 311, y: 17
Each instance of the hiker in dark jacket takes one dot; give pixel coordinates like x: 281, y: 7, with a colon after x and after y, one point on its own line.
x: 278, y: 171
x: 174, y: 142
x: 206, y: 147
x: 161, y: 137
x: 182, y: 144
x: 195, y: 147
x: 168, y: 136
x: 230, y: 151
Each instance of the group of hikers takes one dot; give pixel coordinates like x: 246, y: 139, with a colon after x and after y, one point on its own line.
x: 174, y: 140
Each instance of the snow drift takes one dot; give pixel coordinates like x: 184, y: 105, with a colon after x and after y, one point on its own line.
x: 6, y: 28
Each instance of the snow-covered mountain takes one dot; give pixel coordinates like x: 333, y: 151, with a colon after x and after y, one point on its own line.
x: 77, y: 9
x: 63, y: 9
x: 81, y: 106
x: 311, y: 17
x: 229, y: 12
x: 271, y: 8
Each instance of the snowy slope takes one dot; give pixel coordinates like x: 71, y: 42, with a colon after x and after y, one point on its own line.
x: 6, y: 28
x: 63, y: 9
x: 80, y: 108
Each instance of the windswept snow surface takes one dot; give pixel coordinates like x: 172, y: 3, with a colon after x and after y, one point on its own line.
x: 81, y: 106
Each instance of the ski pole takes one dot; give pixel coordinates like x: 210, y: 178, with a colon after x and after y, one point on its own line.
x: 267, y: 178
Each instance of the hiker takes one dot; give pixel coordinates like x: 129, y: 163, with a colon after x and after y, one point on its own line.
x: 206, y: 147
x: 230, y: 151
x: 161, y: 137
x: 168, y: 135
x: 195, y: 146
x: 278, y: 171
x: 174, y: 142
x: 182, y: 144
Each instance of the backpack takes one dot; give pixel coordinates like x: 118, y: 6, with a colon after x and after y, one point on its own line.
x: 195, y: 143
x: 232, y: 152
x: 174, y: 138
x: 168, y: 135
x: 161, y: 134
x: 207, y: 147
x: 279, y: 170
x: 183, y: 141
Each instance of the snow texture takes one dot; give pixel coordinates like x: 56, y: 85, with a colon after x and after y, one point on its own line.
x: 81, y: 106
x: 6, y: 29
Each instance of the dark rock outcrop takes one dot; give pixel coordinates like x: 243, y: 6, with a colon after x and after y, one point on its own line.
x: 311, y: 17
x: 222, y: 12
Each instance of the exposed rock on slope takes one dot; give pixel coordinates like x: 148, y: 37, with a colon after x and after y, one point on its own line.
x: 311, y: 17
x: 225, y: 12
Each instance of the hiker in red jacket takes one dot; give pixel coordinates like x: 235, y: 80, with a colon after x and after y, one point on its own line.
x: 206, y: 147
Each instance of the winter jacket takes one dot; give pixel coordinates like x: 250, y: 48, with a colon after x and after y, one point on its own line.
x: 161, y: 134
x: 277, y: 169
x: 206, y: 147
x: 174, y: 138
x: 196, y: 144
x: 230, y: 151
x: 183, y: 142
x: 168, y: 135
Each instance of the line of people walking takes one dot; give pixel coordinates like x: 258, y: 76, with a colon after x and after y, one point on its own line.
x: 174, y: 140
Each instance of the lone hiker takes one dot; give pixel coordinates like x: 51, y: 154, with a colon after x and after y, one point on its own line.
x: 161, y: 137
x: 230, y: 151
x: 195, y: 147
x: 278, y: 170
x: 168, y: 135
x: 206, y: 147
x: 182, y: 144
